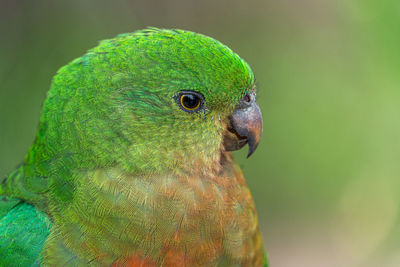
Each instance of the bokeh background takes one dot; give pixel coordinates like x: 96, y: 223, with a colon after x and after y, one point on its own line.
x: 326, y: 176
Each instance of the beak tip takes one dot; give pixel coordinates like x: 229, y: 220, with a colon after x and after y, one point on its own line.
x: 251, y: 151
x: 252, y: 148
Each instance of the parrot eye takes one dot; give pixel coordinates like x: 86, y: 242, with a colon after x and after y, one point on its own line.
x: 189, y: 101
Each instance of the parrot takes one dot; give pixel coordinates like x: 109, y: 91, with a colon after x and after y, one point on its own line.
x: 132, y: 163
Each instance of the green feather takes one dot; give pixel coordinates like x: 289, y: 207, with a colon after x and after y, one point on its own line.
x: 23, y: 231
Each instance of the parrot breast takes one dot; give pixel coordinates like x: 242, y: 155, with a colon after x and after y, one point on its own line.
x: 203, y: 220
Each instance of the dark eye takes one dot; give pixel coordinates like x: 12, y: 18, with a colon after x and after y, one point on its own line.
x: 190, y: 101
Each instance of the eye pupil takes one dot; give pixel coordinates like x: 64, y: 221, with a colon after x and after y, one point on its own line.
x: 190, y: 102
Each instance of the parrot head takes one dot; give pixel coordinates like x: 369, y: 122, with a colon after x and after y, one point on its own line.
x: 151, y: 101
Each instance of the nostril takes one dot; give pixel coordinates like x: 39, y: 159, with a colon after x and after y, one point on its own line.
x: 247, y: 98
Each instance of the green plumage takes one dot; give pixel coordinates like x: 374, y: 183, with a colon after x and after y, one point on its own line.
x: 22, y: 233
x: 121, y: 169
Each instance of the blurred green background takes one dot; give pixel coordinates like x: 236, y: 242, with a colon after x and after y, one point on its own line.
x: 326, y: 176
